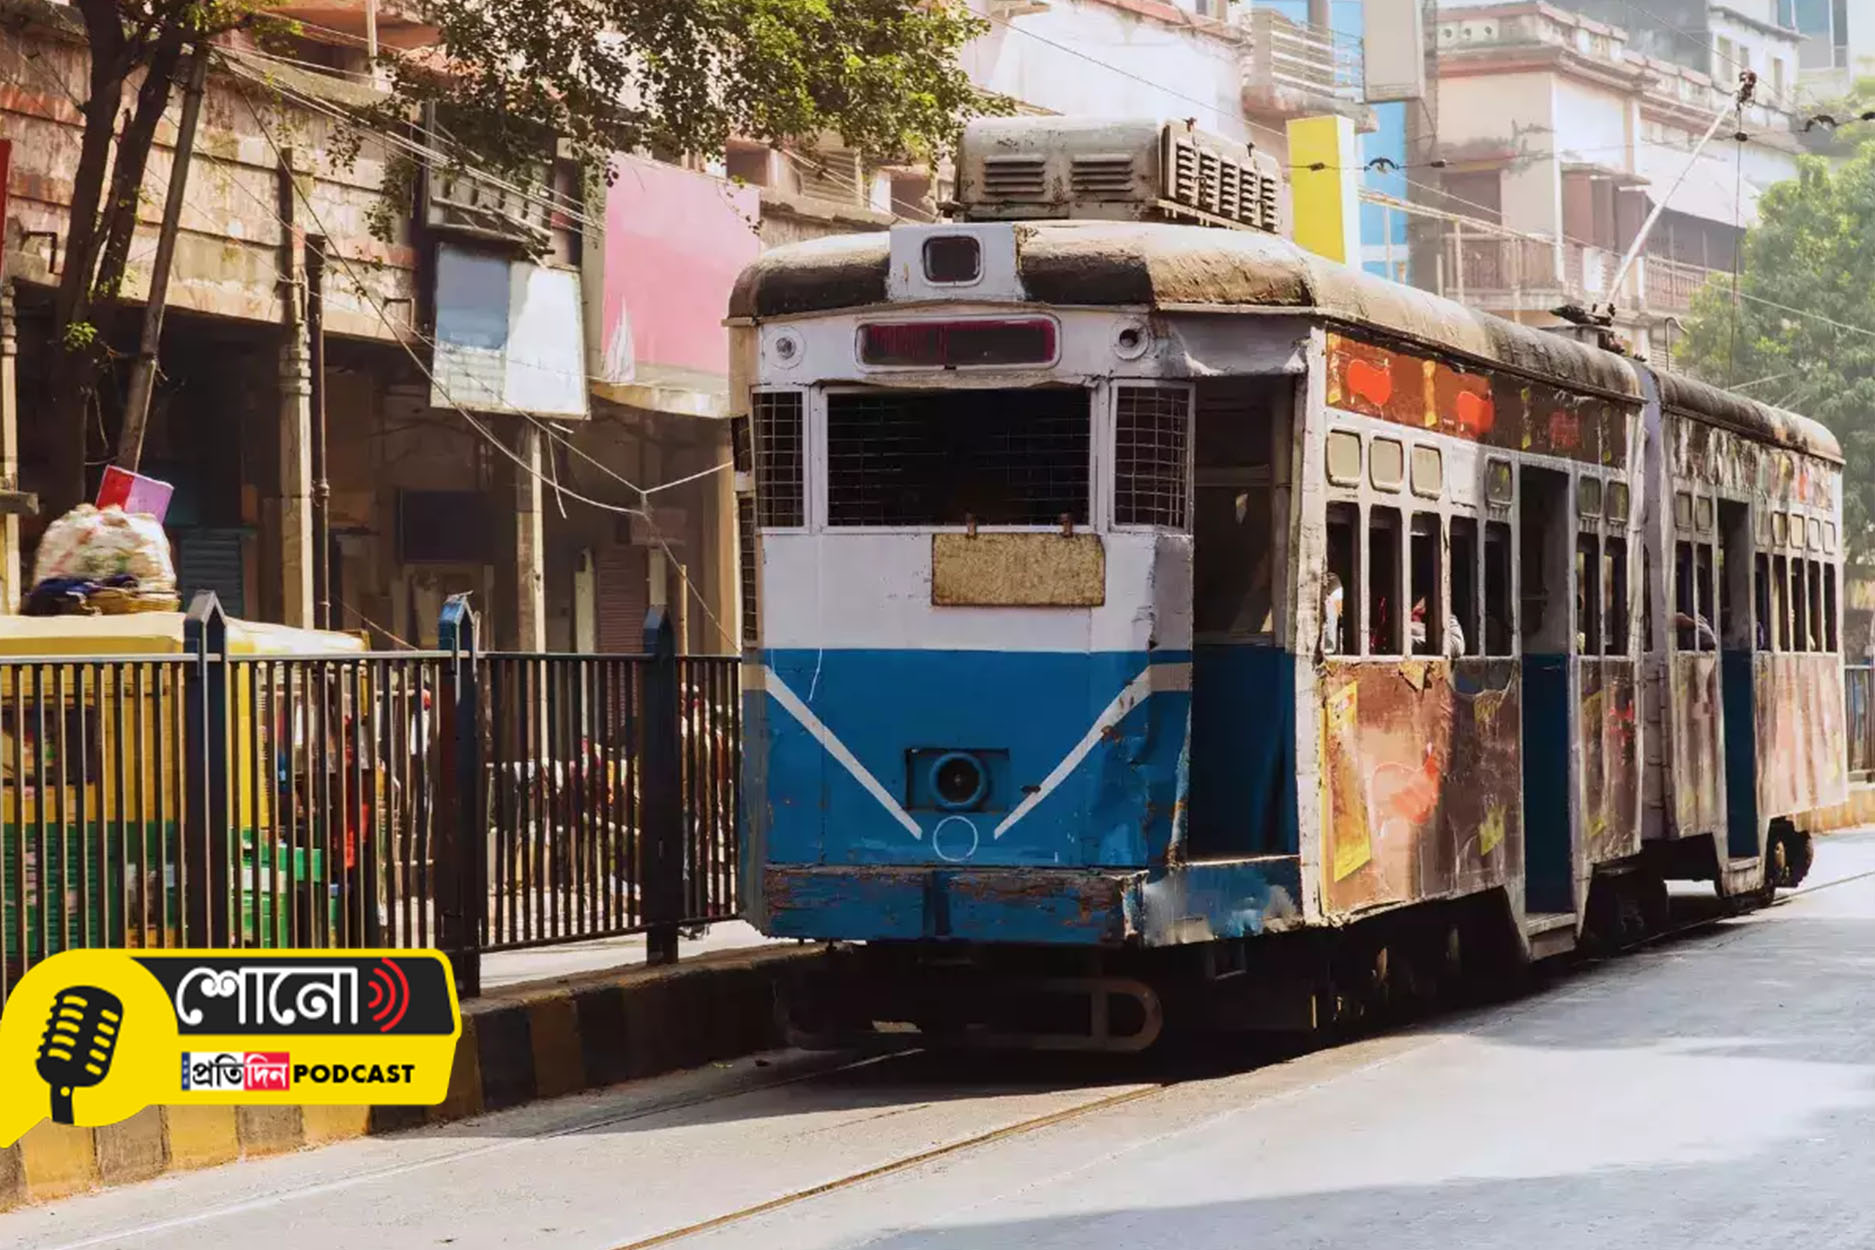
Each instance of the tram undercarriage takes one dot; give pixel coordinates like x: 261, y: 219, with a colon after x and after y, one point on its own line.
x: 1311, y: 983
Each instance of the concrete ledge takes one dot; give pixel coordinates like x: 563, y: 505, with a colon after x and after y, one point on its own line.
x: 540, y: 1040
x: 1859, y: 810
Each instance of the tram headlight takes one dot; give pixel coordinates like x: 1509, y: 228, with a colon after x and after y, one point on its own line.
x: 1131, y: 340
x: 952, y: 259
x: 959, y: 781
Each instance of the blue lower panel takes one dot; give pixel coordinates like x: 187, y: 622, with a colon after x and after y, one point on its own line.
x: 1031, y: 906
x: 1025, y: 712
x: 1549, y: 847
x: 1243, y: 756
x: 1741, y: 754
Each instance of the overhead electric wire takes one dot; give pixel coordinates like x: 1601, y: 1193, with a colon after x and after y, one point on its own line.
x: 487, y: 434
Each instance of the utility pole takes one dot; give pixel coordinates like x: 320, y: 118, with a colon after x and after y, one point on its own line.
x: 143, y: 373
x: 1425, y: 237
x: 1747, y: 86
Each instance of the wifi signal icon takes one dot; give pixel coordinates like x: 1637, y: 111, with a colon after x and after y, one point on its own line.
x: 390, y: 995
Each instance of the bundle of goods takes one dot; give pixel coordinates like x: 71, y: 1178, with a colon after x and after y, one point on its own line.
x: 108, y: 561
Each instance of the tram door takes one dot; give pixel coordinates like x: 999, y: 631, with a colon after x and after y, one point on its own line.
x: 1546, y: 602
x: 1243, y: 681
x: 1737, y: 630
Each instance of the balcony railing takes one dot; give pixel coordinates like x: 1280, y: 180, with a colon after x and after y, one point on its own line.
x: 1513, y: 271
x: 1670, y: 285
x: 1293, y: 66
x: 1497, y: 270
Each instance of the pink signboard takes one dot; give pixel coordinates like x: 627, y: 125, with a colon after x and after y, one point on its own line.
x: 675, y: 241
x: 134, y: 493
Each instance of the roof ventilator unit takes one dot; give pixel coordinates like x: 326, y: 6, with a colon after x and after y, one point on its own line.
x: 1039, y: 168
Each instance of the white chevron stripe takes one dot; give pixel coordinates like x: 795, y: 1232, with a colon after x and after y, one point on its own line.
x: 812, y: 723
x: 1155, y: 677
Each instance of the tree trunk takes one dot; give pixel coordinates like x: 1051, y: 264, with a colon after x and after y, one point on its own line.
x: 76, y: 353
x: 133, y: 158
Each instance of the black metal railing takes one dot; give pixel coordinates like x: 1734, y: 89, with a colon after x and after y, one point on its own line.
x: 453, y: 799
x: 1858, y: 685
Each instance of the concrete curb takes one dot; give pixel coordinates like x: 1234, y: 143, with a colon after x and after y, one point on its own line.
x: 530, y: 1042
x: 1858, y: 810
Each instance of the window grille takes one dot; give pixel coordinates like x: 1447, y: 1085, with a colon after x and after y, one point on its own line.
x: 1002, y: 457
x: 780, y: 458
x: 1149, y: 455
x: 751, y: 584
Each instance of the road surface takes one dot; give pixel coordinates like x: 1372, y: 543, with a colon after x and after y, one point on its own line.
x: 1715, y: 1090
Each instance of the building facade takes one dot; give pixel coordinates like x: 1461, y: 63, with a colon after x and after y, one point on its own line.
x: 458, y: 437
x: 1562, y: 135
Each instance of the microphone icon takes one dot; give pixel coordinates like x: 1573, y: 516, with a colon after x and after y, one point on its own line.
x: 80, y: 1038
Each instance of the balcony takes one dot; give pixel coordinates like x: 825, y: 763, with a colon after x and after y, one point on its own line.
x: 1503, y: 271
x: 398, y: 23
x: 1506, y: 272
x: 1669, y: 285
x: 1293, y: 69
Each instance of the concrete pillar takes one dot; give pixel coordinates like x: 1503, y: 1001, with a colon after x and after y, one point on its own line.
x: 522, y: 577
x: 11, y: 590
x: 296, y: 513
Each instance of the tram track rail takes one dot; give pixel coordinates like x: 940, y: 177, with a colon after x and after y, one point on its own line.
x: 810, y: 1071
x: 909, y: 1162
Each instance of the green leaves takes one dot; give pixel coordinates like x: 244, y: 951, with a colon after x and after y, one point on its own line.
x: 1802, y: 333
x: 684, y: 76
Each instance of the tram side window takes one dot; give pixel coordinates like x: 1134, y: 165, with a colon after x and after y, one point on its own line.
x: 1647, y: 600
x: 1499, y: 638
x: 1383, y: 582
x: 1829, y: 609
x: 1615, y: 594
x: 1780, y: 601
x: 1799, y: 606
x: 1816, y: 607
x: 1702, y: 564
x: 1339, y: 583
x: 1761, y: 601
x: 1464, y: 545
x: 1430, y: 620
x: 1588, y: 595
x: 1684, y: 606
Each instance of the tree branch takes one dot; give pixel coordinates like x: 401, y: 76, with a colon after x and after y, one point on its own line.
x: 119, y: 216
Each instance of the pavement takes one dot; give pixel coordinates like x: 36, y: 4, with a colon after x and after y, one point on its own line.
x: 1715, y: 1089
x: 505, y: 969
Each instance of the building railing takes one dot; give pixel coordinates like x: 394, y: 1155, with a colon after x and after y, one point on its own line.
x: 1858, y: 684
x: 1291, y: 60
x: 453, y: 799
x: 1494, y: 267
x: 1669, y: 285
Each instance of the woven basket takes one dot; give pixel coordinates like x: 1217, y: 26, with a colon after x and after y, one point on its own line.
x: 112, y: 602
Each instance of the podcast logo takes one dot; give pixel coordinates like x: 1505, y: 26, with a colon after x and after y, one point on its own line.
x: 107, y: 1033
x: 80, y: 1038
x: 268, y: 1071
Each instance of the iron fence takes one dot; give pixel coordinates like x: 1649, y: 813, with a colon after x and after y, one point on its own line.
x: 453, y: 799
x: 1858, y: 686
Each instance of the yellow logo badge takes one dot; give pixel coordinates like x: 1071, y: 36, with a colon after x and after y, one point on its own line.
x: 92, y: 1037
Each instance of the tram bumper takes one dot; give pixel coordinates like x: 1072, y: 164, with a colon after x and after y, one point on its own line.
x: 1029, y: 906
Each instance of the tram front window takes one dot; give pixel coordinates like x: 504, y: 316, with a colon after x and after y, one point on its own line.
x: 958, y: 457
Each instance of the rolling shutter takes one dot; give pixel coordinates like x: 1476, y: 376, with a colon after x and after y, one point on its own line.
x: 209, y: 559
x: 623, y: 597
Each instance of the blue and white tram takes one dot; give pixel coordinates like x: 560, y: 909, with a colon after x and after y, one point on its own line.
x: 1120, y: 595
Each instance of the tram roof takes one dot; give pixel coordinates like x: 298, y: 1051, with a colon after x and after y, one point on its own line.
x: 1761, y: 422
x: 1102, y: 263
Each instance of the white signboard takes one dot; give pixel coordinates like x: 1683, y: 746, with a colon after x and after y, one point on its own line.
x: 509, y: 336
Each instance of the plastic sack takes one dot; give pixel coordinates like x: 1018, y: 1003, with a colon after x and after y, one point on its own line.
x: 96, y: 546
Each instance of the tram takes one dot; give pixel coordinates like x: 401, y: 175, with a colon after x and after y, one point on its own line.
x: 1145, y: 617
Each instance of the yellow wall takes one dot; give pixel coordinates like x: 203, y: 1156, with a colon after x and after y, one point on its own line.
x: 1326, y: 201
